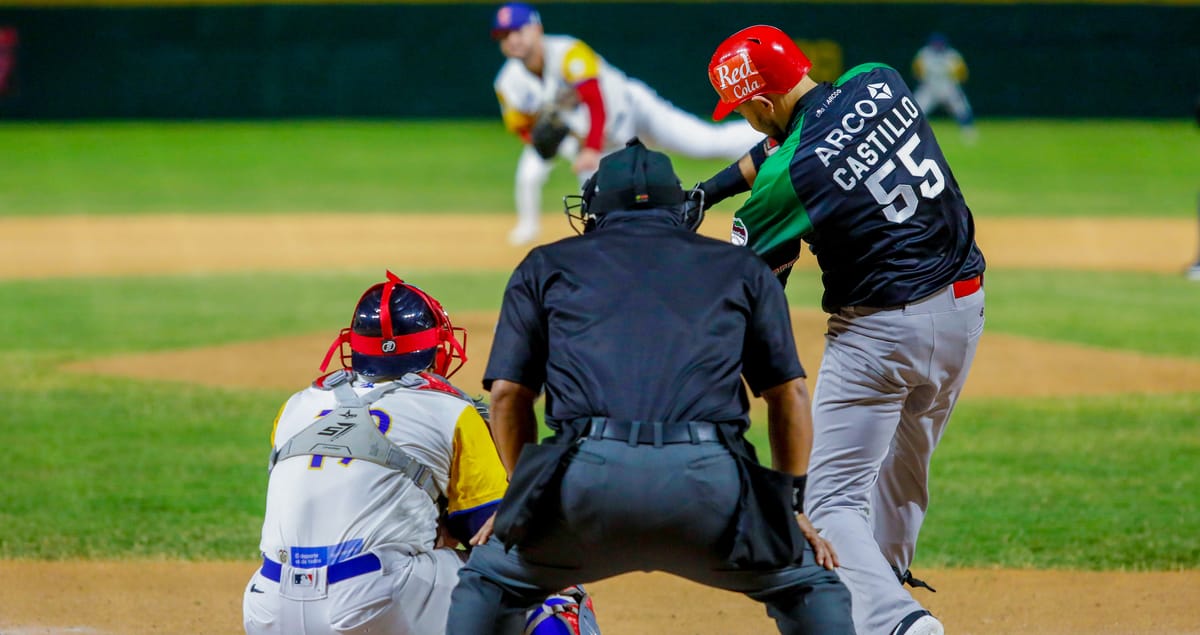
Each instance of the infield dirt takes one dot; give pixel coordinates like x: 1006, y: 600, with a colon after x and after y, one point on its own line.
x: 133, y: 597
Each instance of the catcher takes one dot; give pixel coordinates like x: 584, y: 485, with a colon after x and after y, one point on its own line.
x: 362, y: 520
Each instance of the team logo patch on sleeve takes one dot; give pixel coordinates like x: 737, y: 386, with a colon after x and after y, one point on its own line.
x: 739, y: 236
x: 880, y: 91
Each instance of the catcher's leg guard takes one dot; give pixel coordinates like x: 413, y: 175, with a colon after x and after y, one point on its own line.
x: 568, y: 612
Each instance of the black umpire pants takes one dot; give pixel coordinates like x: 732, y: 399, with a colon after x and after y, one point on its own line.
x: 629, y: 508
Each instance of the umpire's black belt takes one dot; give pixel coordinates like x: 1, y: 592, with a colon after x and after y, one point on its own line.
x: 655, y: 433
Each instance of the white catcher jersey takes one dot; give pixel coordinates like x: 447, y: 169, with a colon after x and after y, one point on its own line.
x: 568, y: 62
x: 323, y: 510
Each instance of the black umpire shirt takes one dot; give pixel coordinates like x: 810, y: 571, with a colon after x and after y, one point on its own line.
x: 643, y: 319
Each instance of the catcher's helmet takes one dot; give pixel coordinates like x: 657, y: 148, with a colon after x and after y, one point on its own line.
x: 757, y: 60
x: 630, y: 179
x: 413, y: 334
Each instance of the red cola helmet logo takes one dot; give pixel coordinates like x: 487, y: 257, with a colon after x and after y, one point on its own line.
x: 736, y: 78
x: 756, y: 60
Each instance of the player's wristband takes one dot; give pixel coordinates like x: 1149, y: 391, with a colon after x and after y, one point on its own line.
x: 798, y: 483
x: 758, y: 154
x: 724, y: 184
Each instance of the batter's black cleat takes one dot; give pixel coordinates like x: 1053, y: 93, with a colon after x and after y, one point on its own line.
x: 907, y: 578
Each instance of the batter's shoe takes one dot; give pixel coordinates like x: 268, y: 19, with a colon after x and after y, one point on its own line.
x: 919, y: 623
x: 907, y: 578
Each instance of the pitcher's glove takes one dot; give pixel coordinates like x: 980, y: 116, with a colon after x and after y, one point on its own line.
x: 548, y: 133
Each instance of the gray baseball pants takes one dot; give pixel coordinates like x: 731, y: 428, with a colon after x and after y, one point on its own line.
x: 887, y: 384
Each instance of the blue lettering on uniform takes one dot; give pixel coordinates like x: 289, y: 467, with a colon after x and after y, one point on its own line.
x: 313, y: 557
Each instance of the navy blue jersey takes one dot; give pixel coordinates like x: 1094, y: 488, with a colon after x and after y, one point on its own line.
x: 643, y: 319
x: 861, y: 178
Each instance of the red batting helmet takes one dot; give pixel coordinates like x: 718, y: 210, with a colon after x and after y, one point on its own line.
x: 754, y: 61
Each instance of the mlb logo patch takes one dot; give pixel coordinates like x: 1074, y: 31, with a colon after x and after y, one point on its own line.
x: 302, y: 584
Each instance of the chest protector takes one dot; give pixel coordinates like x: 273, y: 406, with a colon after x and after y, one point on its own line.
x: 349, y: 431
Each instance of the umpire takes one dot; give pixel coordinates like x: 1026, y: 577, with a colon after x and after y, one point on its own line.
x: 640, y: 332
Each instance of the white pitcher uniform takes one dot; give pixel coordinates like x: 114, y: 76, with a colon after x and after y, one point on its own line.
x: 631, y: 108
x: 348, y: 544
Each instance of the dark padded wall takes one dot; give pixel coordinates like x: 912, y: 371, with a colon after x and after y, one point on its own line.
x: 436, y: 60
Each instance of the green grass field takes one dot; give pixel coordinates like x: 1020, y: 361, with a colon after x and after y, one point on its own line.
x: 1020, y: 168
x: 101, y: 467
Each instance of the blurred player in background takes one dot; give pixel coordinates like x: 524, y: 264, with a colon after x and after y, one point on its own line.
x: 941, y: 71
x: 565, y: 100
x: 362, y: 520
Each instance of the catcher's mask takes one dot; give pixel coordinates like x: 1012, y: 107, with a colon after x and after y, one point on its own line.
x: 755, y: 61
x: 413, y: 334
x: 630, y: 179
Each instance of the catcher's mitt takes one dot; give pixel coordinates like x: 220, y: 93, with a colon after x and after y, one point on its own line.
x: 547, y: 134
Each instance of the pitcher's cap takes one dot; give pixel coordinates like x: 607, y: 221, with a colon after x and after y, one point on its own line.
x: 513, y: 16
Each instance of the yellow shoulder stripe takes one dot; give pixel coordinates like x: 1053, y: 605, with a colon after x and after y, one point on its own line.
x: 514, y: 120
x: 476, y: 475
x: 275, y: 425
x: 580, y: 64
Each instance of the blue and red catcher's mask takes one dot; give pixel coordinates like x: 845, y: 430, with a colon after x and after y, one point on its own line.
x: 412, y: 335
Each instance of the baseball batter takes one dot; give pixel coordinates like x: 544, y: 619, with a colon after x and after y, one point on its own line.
x: 361, y: 519
x: 859, y: 176
x: 940, y: 72
x: 559, y: 82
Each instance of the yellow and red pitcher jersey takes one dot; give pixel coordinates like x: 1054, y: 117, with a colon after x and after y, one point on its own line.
x: 568, y: 63
x: 322, y: 510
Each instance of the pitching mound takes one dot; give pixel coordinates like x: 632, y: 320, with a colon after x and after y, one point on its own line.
x: 159, y: 245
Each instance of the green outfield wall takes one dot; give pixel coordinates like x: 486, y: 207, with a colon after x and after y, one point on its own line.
x: 436, y: 60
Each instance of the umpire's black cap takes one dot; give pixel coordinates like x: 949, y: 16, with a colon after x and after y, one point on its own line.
x: 634, y: 177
